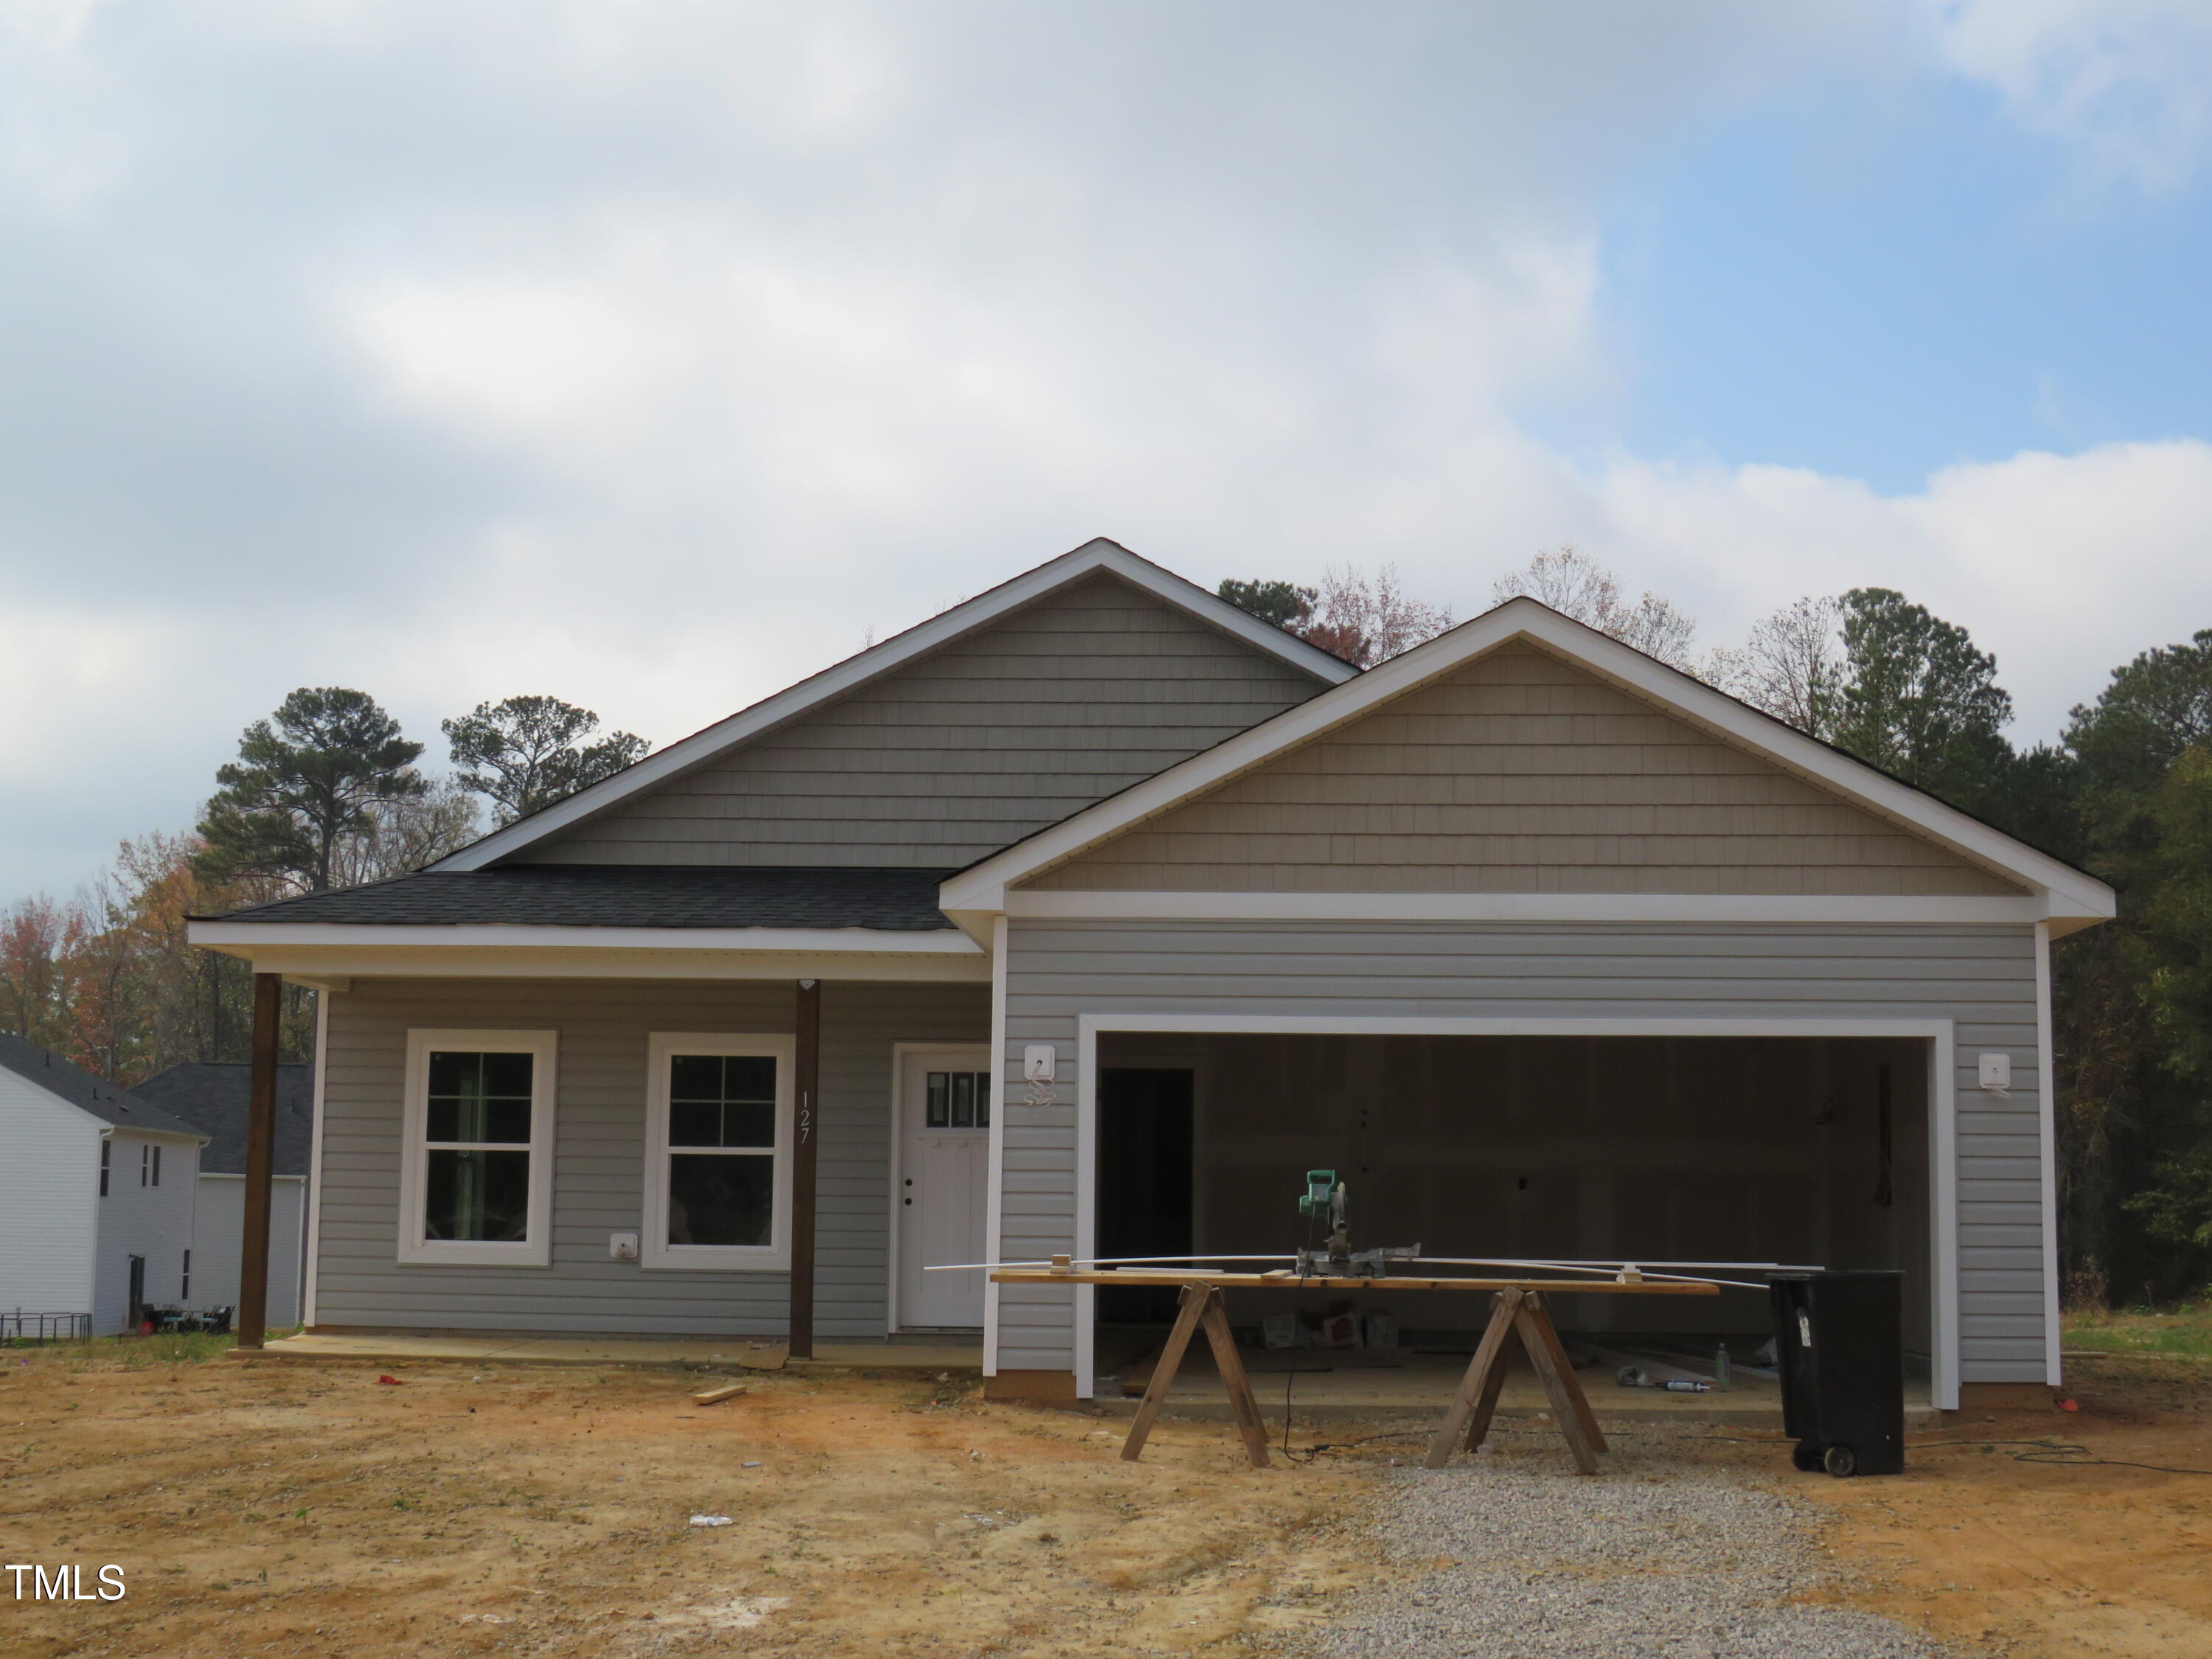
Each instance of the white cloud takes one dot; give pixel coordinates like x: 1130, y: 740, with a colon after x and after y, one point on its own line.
x: 650, y: 355
x: 2065, y: 566
x: 2128, y: 83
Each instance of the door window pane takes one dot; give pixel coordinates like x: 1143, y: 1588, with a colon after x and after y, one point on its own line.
x: 957, y: 1100
x: 479, y: 1098
x: 478, y: 1196
x: 720, y: 1199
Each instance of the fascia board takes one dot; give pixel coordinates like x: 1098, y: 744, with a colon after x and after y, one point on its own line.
x: 703, y: 746
x: 269, y: 935
x: 1781, y: 909
x: 106, y: 1128
x: 2073, y: 893
x: 184, y: 1135
x: 232, y: 1174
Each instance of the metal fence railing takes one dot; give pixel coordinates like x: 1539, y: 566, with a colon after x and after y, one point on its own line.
x: 19, y: 1326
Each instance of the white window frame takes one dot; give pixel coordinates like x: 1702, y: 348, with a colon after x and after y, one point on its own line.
x: 536, y: 1250
x: 653, y: 1249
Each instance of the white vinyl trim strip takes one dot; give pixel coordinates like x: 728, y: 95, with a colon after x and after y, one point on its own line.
x: 1054, y: 905
x: 501, y: 936
x: 993, y: 1247
x: 2046, y: 1074
x: 315, y: 1159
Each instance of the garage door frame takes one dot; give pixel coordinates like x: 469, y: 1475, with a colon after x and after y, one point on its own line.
x: 1942, y: 1149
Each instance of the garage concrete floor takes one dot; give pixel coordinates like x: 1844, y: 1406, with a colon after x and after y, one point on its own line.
x: 1319, y: 1389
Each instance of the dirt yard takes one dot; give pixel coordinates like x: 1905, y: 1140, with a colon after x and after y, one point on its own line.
x: 2035, y: 1558
x: 290, y: 1508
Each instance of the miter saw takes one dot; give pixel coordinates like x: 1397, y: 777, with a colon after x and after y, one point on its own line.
x: 1325, y: 1199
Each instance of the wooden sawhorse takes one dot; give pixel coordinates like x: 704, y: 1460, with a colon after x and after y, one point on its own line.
x: 1518, y: 1316
x: 1201, y: 1305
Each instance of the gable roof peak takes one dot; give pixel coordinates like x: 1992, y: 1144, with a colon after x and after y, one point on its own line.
x: 2068, y: 893
x: 1099, y: 554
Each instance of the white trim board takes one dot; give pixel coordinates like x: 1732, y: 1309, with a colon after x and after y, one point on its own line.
x: 494, y: 936
x: 2046, y: 1089
x: 1640, y: 908
x: 335, y: 962
x: 995, y: 1206
x: 232, y: 1174
x: 1942, y: 1122
x: 314, y: 1216
x: 2069, y: 893
x: 705, y: 746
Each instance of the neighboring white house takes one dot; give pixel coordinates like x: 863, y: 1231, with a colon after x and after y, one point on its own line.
x: 97, y: 1193
x: 212, y: 1098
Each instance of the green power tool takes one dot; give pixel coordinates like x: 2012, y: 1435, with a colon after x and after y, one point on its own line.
x: 1325, y: 1200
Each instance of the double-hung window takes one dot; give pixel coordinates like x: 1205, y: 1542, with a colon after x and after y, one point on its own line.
x: 718, y: 1151
x: 476, y: 1160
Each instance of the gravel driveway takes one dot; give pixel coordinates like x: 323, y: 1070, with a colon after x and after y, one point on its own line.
x: 1667, y: 1553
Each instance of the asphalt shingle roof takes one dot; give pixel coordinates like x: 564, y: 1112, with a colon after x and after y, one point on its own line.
x: 79, y: 1087
x: 629, y: 895
x: 212, y: 1096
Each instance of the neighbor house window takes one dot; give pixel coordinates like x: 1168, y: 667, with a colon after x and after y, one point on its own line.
x: 106, y: 1147
x: 184, y: 1281
x: 477, y: 1171
x: 718, y: 1151
x: 149, y: 1166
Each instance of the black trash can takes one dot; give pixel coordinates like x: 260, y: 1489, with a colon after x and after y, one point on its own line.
x: 1838, y: 1340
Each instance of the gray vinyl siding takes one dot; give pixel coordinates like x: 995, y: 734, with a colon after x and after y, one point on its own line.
x: 1521, y: 773
x: 1091, y: 690
x: 600, y: 1155
x: 1981, y: 977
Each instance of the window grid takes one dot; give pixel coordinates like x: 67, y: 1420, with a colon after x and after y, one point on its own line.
x: 957, y: 1100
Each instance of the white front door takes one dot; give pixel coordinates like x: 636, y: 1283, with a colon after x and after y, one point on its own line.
x: 944, y: 1176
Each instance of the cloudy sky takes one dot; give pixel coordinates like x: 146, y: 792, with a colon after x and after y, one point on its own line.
x: 653, y: 354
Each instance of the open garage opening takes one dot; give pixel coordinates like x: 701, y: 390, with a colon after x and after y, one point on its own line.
x: 1722, y: 1149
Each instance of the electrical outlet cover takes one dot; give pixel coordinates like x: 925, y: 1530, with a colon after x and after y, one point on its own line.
x: 1995, y: 1070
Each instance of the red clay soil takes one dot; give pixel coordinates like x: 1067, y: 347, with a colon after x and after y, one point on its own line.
x: 2035, y: 1557
x: 299, y: 1509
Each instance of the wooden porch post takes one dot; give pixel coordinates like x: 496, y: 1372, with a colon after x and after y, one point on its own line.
x: 260, y: 1158
x: 806, y: 1085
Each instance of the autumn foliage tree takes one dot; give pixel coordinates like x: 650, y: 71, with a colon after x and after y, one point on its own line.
x: 1365, y: 619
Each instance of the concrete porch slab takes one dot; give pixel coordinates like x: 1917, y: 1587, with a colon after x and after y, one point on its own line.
x: 719, y: 1351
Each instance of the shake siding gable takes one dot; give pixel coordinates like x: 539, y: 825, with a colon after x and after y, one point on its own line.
x: 1521, y: 773
x: 1094, y: 688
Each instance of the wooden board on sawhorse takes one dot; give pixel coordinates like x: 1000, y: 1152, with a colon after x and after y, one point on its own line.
x: 1518, y: 1316
x: 1201, y: 1305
